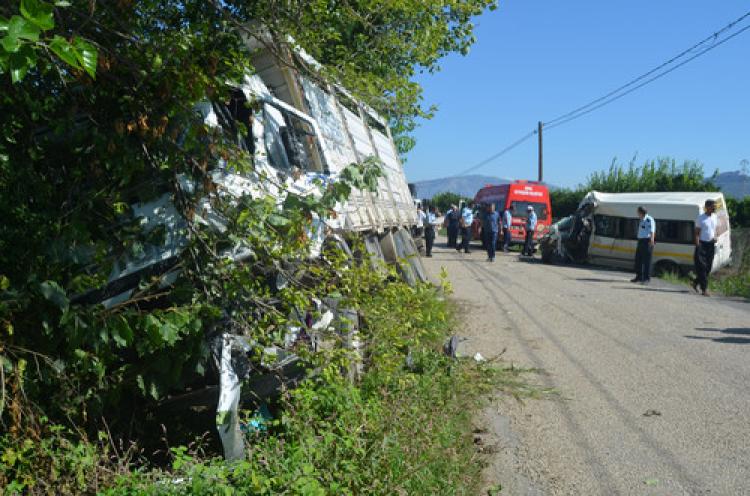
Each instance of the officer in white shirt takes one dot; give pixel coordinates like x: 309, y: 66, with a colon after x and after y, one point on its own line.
x: 467, y: 217
x: 429, y: 229
x: 645, y: 248
x: 528, y: 245
x: 705, y: 246
x: 507, y: 223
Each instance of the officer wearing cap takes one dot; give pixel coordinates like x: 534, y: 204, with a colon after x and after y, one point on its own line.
x: 645, y: 248
x: 528, y: 246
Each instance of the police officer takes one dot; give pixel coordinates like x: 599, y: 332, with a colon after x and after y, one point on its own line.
x: 467, y: 218
x: 451, y: 223
x: 430, y: 222
x: 528, y: 246
x: 493, y: 225
x: 645, y: 248
x: 507, y: 222
x: 705, y: 246
x: 485, y: 223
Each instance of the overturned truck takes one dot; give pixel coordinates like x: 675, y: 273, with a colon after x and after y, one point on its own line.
x: 301, y: 133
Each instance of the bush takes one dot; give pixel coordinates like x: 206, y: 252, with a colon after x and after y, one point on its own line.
x: 662, y: 174
x: 406, y: 429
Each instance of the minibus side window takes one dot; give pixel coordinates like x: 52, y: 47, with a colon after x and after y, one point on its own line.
x: 631, y: 228
x: 674, y: 231
x: 607, y: 225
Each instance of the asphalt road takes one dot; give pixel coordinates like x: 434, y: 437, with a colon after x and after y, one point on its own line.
x: 653, y: 382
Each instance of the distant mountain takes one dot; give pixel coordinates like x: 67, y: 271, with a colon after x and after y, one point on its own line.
x: 734, y: 184
x: 461, y: 185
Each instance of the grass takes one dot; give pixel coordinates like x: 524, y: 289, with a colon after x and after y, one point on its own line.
x: 405, y: 428
x: 733, y: 280
x: 723, y: 284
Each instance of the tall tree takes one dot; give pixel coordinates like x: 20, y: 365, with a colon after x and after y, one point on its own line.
x: 97, y: 112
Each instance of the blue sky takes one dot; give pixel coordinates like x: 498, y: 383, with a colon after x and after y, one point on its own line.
x: 537, y: 59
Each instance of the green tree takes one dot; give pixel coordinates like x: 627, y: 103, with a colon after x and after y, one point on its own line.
x: 662, y: 174
x: 443, y: 201
x: 739, y: 211
x: 98, y: 104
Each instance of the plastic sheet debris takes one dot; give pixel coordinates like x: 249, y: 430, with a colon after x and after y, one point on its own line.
x: 233, y: 368
x: 258, y: 422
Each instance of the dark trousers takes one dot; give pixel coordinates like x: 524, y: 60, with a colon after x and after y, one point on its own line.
x: 465, y: 239
x: 528, y: 245
x: 491, y: 244
x: 506, y: 239
x: 704, y: 261
x: 429, y: 239
x: 643, y: 253
x: 452, y: 235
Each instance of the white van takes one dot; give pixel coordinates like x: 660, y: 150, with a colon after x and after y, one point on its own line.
x: 615, y: 225
x: 604, y: 230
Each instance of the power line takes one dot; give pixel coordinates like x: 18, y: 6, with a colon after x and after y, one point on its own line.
x: 498, y: 154
x: 714, y: 37
x: 573, y: 115
x: 618, y: 93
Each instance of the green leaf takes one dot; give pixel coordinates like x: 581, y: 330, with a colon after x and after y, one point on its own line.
x: 18, y: 29
x: 62, y: 3
x: 54, y: 293
x: 20, y: 63
x: 169, y: 333
x: 4, y: 23
x: 64, y: 50
x: 121, y: 332
x: 277, y: 220
x: 87, y: 55
x: 38, y: 12
x: 21, y: 28
x: 10, y: 44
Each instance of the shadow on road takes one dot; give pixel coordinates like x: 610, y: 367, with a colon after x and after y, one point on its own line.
x: 529, y: 260
x: 594, y: 279
x: 655, y: 290
x: 735, y: 335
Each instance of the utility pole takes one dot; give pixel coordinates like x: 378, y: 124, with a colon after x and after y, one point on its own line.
x: 541, y: 161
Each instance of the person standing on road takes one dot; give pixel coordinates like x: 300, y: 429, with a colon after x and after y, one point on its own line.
x: 429, y: 230
x: 507, y: 222
x: 451, y: 224
x: 645, y: 248
x: 705, y: 246
x: 467, y: 217
x: 485, y: 223
x: 528, y: 246
x: 493, y: 224
x: 421, y: 217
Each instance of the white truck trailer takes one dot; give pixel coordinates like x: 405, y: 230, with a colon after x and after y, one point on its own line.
x: 300, y: 133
